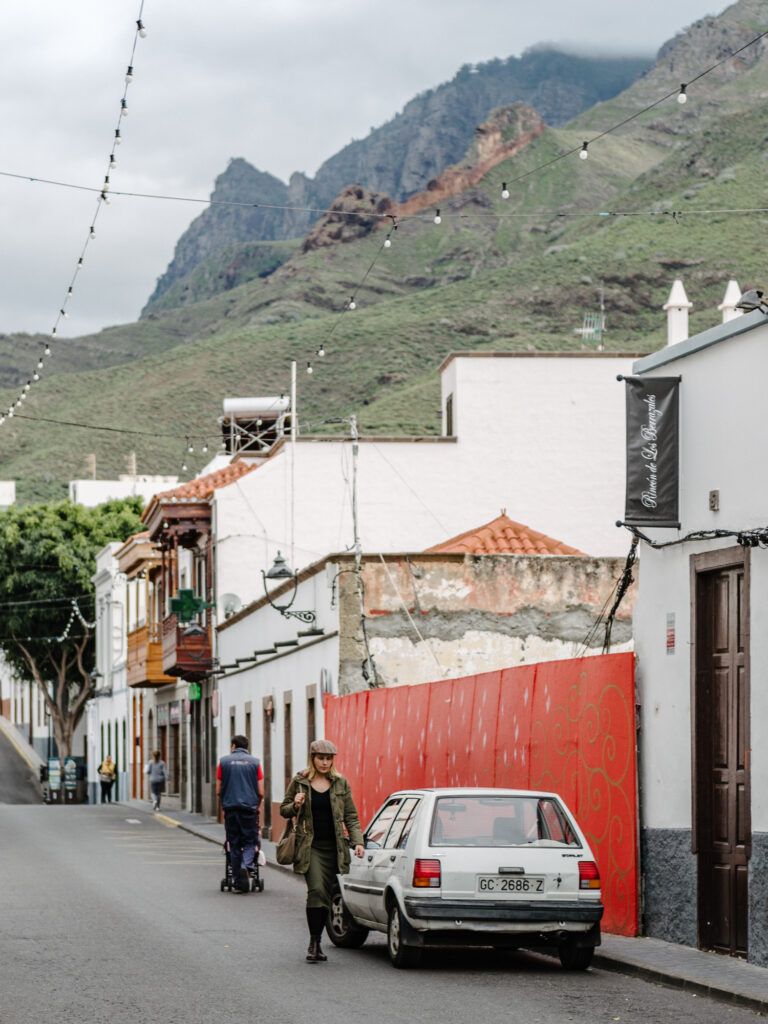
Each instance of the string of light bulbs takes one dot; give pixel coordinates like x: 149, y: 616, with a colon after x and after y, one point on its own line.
x: 103, y: 199
x: 104, y: 193
x: 676, y: 215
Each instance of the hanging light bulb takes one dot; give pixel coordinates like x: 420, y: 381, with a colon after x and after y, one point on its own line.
x: 123, y: 108
x: 682, y: 97
x: 18, y: 403
x: 79, y: 263
x: 184, y: 467
x: 129, y: 75
x: 309, y: 368
x: 105, y: 198
x: 27, y: 386
x: 47, y: 350
x: 64, y: 313
x: 35, y: 376
x: 504, y: 190
x: 583, y: 154
x: 2, y: 420
x: 142, y: 30
x: 118, y: 139
x: 112, y: 161
x: 387, y: 242
x: 321, y: 350
x: 205, y: 447
x: 438, y: 218
x: 10, y: 412
x: 93, y: 231
x: 190, y: 448
x: 352, y: 304
x: 53, y: 332
x: 40, y: 364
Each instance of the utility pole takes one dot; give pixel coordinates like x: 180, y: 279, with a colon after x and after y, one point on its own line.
x: 293, y: 462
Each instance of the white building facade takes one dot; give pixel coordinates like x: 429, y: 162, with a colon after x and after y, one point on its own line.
x: 701, y: 639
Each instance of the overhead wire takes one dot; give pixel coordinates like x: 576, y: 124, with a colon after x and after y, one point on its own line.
x: 105, y: 191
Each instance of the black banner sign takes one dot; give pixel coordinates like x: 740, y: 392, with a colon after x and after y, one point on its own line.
x: 652, y: 451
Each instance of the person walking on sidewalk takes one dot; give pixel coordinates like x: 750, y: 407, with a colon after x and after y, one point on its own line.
x: 321, y: 802
x: 107, y: 770
x: 157, y: 770
x: 240, y: 786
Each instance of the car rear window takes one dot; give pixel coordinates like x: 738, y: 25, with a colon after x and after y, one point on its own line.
x: 501, y: 821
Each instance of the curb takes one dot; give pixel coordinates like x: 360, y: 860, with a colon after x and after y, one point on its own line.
x: 22, y: 748
x: 655, y: 974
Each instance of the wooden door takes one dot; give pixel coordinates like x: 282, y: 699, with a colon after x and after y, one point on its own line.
x: 721, y: 746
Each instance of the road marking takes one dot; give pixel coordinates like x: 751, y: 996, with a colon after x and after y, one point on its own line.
x: 133, y: 821
x: 170, y: 822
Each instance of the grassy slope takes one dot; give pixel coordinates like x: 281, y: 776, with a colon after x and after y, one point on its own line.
x: 531, y: 279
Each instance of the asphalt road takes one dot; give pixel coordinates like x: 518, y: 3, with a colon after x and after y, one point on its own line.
x: 18, y: 784
x: 109, y: 915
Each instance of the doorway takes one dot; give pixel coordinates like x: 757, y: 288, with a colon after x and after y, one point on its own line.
x: 721, y: 731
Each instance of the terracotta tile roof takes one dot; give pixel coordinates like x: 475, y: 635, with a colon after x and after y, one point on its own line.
x: 503, y: 536
x: 203, y: 487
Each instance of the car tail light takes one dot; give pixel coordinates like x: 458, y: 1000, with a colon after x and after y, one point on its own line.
x: 426, y: 874
x: 589, y: 876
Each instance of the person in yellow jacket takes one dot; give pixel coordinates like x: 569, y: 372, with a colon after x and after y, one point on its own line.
x: 107, y: 770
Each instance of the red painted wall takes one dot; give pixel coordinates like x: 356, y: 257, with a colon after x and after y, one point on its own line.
x: 563, y: 726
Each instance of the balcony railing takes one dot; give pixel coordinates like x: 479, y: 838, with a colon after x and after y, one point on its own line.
x: 186, y: 653
x: 144, y: 663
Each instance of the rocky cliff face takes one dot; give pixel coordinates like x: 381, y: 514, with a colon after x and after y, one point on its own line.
x: 401, y: 157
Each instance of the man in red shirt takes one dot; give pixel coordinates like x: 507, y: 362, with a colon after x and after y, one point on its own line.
x: 240, y: 786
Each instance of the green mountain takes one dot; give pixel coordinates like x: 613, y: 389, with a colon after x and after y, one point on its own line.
x: 400, y: 157
x: 496, y: 274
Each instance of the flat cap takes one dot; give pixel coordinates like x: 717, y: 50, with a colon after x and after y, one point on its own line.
x: 322, y: 747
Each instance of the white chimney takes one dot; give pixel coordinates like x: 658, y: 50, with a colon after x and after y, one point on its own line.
x: 677, y: 306
x: 728, y: 306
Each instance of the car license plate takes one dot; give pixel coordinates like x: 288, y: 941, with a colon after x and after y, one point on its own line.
x: 509, y: 885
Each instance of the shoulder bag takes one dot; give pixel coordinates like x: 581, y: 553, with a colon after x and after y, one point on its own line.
x: 286, y: 847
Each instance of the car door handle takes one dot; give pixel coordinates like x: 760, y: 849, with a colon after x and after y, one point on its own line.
x: 393, y: 857
x: 370, y: 857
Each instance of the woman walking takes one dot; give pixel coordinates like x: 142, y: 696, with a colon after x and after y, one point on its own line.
x: 321, y: 802
x: 157, y: 771
x: 107, y: 770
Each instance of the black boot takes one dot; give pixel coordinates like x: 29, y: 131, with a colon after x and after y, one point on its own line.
x: 315, y: 955
x: 316, y: 920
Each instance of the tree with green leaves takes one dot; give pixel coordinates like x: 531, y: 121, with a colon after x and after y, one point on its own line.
x: 47, y: 558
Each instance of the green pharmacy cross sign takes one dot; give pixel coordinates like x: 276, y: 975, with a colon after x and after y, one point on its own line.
x: 186, y: 606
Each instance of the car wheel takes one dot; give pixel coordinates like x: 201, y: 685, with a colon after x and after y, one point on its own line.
x: 400, y: 954
x: 575, y: 958
x: 341, y: 927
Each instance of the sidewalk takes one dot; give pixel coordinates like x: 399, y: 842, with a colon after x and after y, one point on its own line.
x: 720, y: 977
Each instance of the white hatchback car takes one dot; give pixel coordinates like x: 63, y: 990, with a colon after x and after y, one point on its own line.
x: 472, y: 867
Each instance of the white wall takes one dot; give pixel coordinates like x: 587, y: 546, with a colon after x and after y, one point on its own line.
x: 95, y: 492
x: 723, y: 435
x: 542, y: 436
x: 293, y: 670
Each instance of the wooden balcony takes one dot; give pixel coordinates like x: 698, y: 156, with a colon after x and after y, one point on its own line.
x: 144, y: 664
x: 186, y: 654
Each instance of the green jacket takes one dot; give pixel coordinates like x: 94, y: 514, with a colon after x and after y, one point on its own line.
x: 344, y: 814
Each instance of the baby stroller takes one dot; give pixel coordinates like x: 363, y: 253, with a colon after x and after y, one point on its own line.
x: 257, y: 882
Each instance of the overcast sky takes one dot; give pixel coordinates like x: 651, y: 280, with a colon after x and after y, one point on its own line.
x: 283, y: 83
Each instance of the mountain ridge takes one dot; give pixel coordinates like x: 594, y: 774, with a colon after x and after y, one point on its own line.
x: 399, y: 157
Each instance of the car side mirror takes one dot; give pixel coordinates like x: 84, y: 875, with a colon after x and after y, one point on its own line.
x: 371, y: 844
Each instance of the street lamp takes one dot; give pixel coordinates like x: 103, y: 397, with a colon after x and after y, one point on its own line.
x: 280, y: 571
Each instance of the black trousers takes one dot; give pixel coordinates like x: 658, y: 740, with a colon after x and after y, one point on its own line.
x: 241, y: 825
